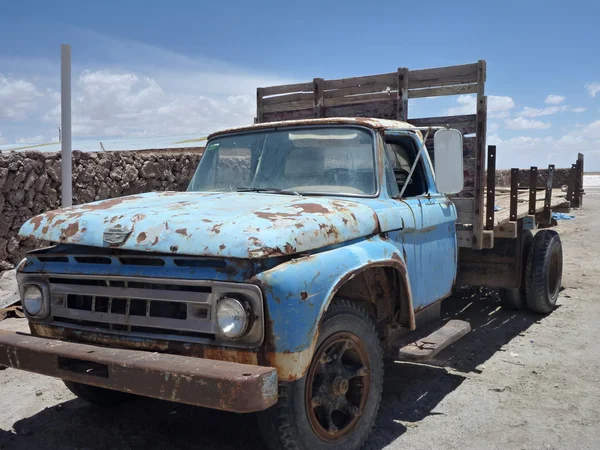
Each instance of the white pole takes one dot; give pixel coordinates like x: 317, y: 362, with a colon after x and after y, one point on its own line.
x: 65, y: 120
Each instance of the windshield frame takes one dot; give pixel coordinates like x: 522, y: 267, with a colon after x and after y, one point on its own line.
x: 374, y: 142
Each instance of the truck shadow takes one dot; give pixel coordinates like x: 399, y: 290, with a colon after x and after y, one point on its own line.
x: 411, y: 393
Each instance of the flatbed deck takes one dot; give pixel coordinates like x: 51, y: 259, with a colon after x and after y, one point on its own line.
x: 502, y: 215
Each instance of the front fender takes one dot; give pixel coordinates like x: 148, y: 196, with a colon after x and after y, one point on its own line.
x: 298, y: 292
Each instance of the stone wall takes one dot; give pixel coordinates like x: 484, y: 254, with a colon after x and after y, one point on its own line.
x: 30, y: 184
x: 559, y: 179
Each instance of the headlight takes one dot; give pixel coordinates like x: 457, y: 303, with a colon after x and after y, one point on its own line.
x: 232, y: 318
x: 33, y: 299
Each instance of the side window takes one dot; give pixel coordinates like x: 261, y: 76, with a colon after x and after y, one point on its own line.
x: 401, y: 157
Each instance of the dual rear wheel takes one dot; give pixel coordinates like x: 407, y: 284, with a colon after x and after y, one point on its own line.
x: 542, y: 274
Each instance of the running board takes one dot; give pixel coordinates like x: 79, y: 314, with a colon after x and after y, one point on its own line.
x: 427, y: 347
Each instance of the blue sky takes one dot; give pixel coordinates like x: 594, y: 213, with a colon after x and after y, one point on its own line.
x: 191, y: 67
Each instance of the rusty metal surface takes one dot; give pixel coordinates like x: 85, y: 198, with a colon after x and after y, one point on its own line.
x: 213, y: 384
x: 490, y: 188
x: 514, y: 193
x: 532, y: 189
x: 230, y: 225
x: 374, y: 123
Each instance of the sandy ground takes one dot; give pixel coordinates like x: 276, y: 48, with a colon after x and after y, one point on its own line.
x: 517, y: 381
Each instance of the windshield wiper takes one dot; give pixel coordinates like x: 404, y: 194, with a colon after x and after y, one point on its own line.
x: 273, y: 190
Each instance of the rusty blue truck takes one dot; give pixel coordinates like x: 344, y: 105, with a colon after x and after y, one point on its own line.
x: 307, y: 247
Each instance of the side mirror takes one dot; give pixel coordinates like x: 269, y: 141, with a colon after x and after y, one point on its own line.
x: 448, y: 151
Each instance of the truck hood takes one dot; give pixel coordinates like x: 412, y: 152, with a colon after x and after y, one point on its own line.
x: 236, y: 225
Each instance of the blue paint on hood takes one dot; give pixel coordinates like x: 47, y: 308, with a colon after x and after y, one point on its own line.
x: 235, y: 225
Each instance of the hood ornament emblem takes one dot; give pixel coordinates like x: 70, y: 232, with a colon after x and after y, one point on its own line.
x: 115, y: 235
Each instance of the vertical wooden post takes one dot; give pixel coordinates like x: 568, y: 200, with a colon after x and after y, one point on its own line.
x: 259, y: 105
x: 514, y: 193
x: 532, y: 189
x: 402, y: 94
x: 480, y: 139
x: 318, y: 88
x: 491, y: 187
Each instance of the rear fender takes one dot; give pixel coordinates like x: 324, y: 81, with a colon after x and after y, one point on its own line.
x: 298, y: 293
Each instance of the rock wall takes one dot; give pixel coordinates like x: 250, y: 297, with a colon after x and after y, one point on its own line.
x: 30, y: 184
x: 559, y: 179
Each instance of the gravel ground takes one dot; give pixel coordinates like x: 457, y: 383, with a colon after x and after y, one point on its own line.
x: 517, y: 381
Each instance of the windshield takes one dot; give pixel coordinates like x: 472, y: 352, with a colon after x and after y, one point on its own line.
x: 324, y: 160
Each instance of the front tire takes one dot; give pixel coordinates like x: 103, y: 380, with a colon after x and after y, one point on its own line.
x: 334, y: 406
x: 544, y: 272
x: 97, y: 396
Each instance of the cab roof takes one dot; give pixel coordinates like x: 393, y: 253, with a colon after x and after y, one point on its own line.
x: 377, y: 124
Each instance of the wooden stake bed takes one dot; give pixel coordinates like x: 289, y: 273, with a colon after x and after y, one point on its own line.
x: 502, y: 216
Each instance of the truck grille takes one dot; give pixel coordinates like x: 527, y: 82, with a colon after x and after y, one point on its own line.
x: 176, y: 308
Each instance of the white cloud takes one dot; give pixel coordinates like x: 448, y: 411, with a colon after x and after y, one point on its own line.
x: 498, y: 106
x: 125, y: 103
x: 18, y: 98
x: 554, y: 99
x: 591, y: 130
x: 526, y: 151
x: 537, y: 112
x: 39, y: 139
x: 593, y: 88
x: 493, y: 126
x: 2, y: 140
x: 520, y: 123
x: 578, y: 110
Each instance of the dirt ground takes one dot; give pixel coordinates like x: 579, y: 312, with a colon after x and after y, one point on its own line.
x: 517, y: 381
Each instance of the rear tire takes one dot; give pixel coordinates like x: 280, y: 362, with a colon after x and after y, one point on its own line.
x: 334, y: 406
x: 96, y: 395
x: 515, y: 298
x: 544, y: 272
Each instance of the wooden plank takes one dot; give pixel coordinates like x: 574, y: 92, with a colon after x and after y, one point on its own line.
x: 289, y: 106
x: 301, y: 96
x: 443, y: 76
x: 380, y: 109
x: 466, y: 124
x: 490, y: 187
x: 318, y: 100
x: 402, y: 94
x: 388, y: 79
x: 464, y: 238
x: 287, y: 88
x: 469, y: 145
x: 288, y: 115
x: 363, y: 89
x: 357, y: 99
x: 506, y: 230
x: 441, y: 91
x: 503, y: 202
x: 480, y: 168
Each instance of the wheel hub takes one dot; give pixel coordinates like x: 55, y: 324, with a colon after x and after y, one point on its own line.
x: 340, y: 386
x: 337, y: 386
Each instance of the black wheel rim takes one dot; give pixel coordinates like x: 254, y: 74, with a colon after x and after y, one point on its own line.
x: 337, y: 386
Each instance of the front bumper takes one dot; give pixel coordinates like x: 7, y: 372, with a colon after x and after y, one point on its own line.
x: 214, y: 384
